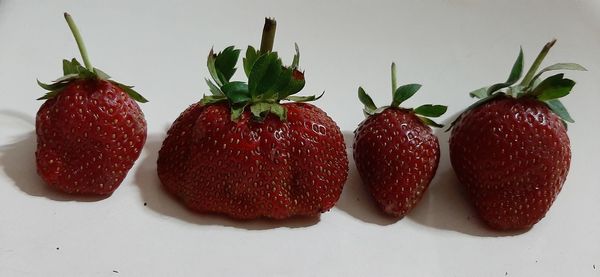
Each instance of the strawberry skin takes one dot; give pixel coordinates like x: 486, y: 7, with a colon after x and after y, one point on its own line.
x: 397, y: 157
x: 88, y: 137
x: 249, y: 169
x: 513, y: 156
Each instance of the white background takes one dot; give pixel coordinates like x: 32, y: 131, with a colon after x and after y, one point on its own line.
x: 450, y: 46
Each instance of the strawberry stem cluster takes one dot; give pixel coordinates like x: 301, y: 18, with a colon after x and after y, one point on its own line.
x: 399, y: 95
x: 269, y: 81
x: 73, y: 70
x: 547, y: 91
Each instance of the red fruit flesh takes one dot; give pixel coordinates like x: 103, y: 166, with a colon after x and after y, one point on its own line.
x: 88, y: 137
x: 513, y: 156
x: 397, y: 157
x: 249, y: 169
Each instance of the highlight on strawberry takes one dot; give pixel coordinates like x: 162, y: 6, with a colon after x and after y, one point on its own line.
x: 89, y: 130
x: 510, y: 149
x: 253, y: 148
x: 395, y: 150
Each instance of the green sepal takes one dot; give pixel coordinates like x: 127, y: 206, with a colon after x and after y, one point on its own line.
x: 250, y: 59
x: 237, y: 110
x: 264, y: 73
x: 431, y: 110
x: 212, y: 99
x: 515, y: 74
x: 214, y: 89
x: 479, y: 93
x: 296, y: 60
x: 367, y: 101
x: 101, y: 74
x: 236, y: 92
x: 131, y: 92
x: 559, y: 109
x: 430, y: 122
x: 476, y: 104
x: 225, y: 63
x: 403, y: 93
x: 295, y: 85
x: 260, y: 110
x: 558, y: 66
x: 301, y: 99
x: 553, y: 87
x: 49, y: 95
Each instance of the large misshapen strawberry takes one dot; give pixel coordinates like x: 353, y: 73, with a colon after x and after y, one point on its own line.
x: 511, y: 149
x: 89, y: 130
x: 242, y: 153
x: 395, y: 150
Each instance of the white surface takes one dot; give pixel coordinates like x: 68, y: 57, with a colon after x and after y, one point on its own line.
x: 451, y: 47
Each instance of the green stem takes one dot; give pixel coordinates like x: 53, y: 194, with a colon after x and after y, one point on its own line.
x: 394, y: 81
x: 536, y: 64
x: 268, y: 35
x: 79, y: 41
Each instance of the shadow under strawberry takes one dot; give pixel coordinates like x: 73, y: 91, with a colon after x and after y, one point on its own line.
x: 355, y: 199
x: 17, y: 160
x: 159, y: 200
x: 445, y: 204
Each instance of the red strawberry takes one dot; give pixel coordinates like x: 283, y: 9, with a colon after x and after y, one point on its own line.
x: 89, y: 131
x: 511, y: 149
x: 241, y: 153
x: 395, y: 150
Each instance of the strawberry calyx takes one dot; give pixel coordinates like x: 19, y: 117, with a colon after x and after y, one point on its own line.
x: 269, y: 81
x: 399, y: 95
x: 548, y: 90
x: 73, y: 70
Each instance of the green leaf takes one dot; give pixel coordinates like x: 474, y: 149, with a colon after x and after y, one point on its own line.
x: 559, y: 66
x: 100, y: 74
x: 236, y: 92
x: 237, y: 110
x: 49, y: 95
x: 404, y: 92
x: 553, y: 87
x: 211, y: 99
x: 558, y: 108
x: 367, y: 101
x: 214, y: 89
x: 295, y: 85
x: 513, y: 77
x: 479, y: 93
x: 301, y: 99
x: 264, y: 74
x: 431, y: 110
x: 430, y: 122
x: 212, y: 68
x: 225, y: 63
x: 132, y: 93
x: 251, y: 56
x: 296, y: 60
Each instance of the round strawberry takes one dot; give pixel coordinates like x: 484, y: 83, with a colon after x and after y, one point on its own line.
x: 89, y: 131
x: 242, y: 153
x: 395, y: 151
x: 511, y: 149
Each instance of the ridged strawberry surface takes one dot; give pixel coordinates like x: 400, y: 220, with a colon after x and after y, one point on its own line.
x: 249, y: 169
x: 88, y: 137
x: 396, y: 156
x: 89, y: 130
x: 513, y: 156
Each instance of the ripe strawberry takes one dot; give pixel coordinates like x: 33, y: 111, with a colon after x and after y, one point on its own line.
x: 241, y: 153
x: 511, y: 149
x: 89, y: 131
x: 395, y: 150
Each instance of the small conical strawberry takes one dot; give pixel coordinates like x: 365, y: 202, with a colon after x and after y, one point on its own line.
x: 243, y: 153
x: 511, y: 149
x: 395, y: 151
x: 89, y: 131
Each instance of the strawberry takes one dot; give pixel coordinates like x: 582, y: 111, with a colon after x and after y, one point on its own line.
x: 242, y: 153
x: 395, y: 151
x: 511, y: 149
x: 89, y: 130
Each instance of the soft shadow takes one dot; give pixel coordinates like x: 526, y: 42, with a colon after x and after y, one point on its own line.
x: 17, y: 160
x: 355, y: 199
x: 159, y: 200
x: 446, y: 205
